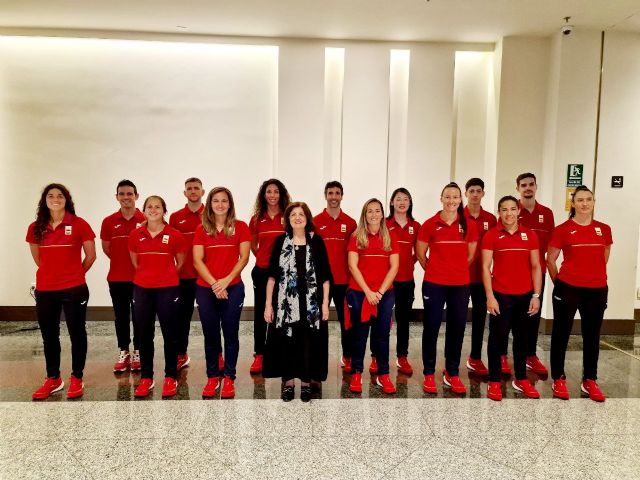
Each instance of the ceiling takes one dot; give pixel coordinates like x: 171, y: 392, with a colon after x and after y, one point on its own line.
x: 397, y: 20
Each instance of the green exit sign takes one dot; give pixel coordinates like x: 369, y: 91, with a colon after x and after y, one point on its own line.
x: 574, y: 174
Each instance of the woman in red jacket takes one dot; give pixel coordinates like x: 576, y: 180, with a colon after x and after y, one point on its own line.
x: 451, y: 243
x: 580, y: 285
x: 266, y: 224
x: 513, y: 288
x: 157, y: 253
x: 404, y: 227
x: 373, y: 264
x: 220, y: 253
x: 57, y: 239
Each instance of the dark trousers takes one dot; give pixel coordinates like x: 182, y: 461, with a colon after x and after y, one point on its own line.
x: 216, y: 313
x: 259, y: 277
x: 122, y: 300
x: 591, y: 303
x: 165, y: 303
x: 478, y: 319
x: 404, y: 292
x: 533, y: 325
x: 456, y: 298
x: 187, y: 299
x: 337, y: 293
x: 49, y: 306
x: 380, y: 327
x: 297, y: 353
x: 514, y: 316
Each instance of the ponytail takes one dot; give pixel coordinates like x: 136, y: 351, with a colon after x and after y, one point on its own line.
x: 581, y: 188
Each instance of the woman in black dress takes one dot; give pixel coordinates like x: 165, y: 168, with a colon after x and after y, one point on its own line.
x: 297, y: 306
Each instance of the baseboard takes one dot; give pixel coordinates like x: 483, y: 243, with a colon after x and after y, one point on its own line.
x: 105, y: 314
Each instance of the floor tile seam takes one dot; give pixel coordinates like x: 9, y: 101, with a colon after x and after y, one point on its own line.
x: 76, y: 459
x: 607, y: 344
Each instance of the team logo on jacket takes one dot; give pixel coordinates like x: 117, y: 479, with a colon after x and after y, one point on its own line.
x: 67, y: 229
x: 138, y: 225
x: 598, y: 231
x: 165, y: 239
x: 540, y: 218
x: 523, y: 236
x: 485, y: 225
x: 460, y: 229
x: 410, y: 230
x: 343, y: 228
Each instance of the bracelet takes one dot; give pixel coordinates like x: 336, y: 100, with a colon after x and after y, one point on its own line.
x: 381, y: 293
x: 535, y: 295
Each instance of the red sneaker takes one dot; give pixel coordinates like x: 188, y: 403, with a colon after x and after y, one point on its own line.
x: 221, y: 364
x: 345, y: 363
x: 494, y: 391
x: 535, y: 365
x: 228, y: 389
x: 135, y: 361
x: 356, y: 383
x: 373, y: 368
x: 170, y: 387
x: 591, y: 388
x: 124, y: 361
x: 385, y: 382
x: 183, y: 361
x: 505, y: 369
x: 429, y: 384
x: 526, y: 388
x: 256, y: 366
x: 50, y: 385
x: 144, y: 388
x: 477, y: 367
x: 404, y: 366
x: 560, y: 388
x: 211, y: 387
x: 76, y: 387
x: 454, y: 383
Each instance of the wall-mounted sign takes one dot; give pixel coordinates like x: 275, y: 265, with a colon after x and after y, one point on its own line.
x: 617, y: 181
x: 568, y: 198
x: 574, y: 174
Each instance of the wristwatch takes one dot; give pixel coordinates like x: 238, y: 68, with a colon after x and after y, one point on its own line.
x: 536, y: 295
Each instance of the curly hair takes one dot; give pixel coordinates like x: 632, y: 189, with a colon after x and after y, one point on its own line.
x: 260, y: 207
x: 43, y: 215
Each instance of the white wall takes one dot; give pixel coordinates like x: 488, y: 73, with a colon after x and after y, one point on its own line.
x: 89, y: 112
x: 619, y: 154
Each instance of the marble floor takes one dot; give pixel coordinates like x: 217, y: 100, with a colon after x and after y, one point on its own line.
x: 409, y: 435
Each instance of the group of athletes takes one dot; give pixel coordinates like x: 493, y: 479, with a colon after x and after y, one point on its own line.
x: 159, y: 269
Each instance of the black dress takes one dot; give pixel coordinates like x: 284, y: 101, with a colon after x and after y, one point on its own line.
x: 305, y: 354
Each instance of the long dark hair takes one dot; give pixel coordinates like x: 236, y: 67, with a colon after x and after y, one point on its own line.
x: 260, y: 207
x: 461, y: 218
x: 581, y: 188
x: 43, y: 215
x: 392, y: 210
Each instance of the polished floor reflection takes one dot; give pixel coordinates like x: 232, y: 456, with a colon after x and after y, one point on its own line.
x: 22, y: 367
x: 409, y: 435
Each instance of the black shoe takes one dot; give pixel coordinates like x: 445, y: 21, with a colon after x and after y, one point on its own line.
x: 305, y: 393
x: 316, y: 387
x: 287, y: 393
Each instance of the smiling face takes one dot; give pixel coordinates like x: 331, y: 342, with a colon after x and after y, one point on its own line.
x: 153, y: 210
x: 272, y: 195
x: 450, y: 199
x: 583, y: 202
x: 401, y: 203
x: 56, y: 200
x: 474, y: 195
x: 374, y: 214
x: 297, y: 219
x: 194, y: 192
x: 333, y: 197
x: 127, y: 197
x: 220, y: 204
x: 527, y: 188
x: 508, y: 212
